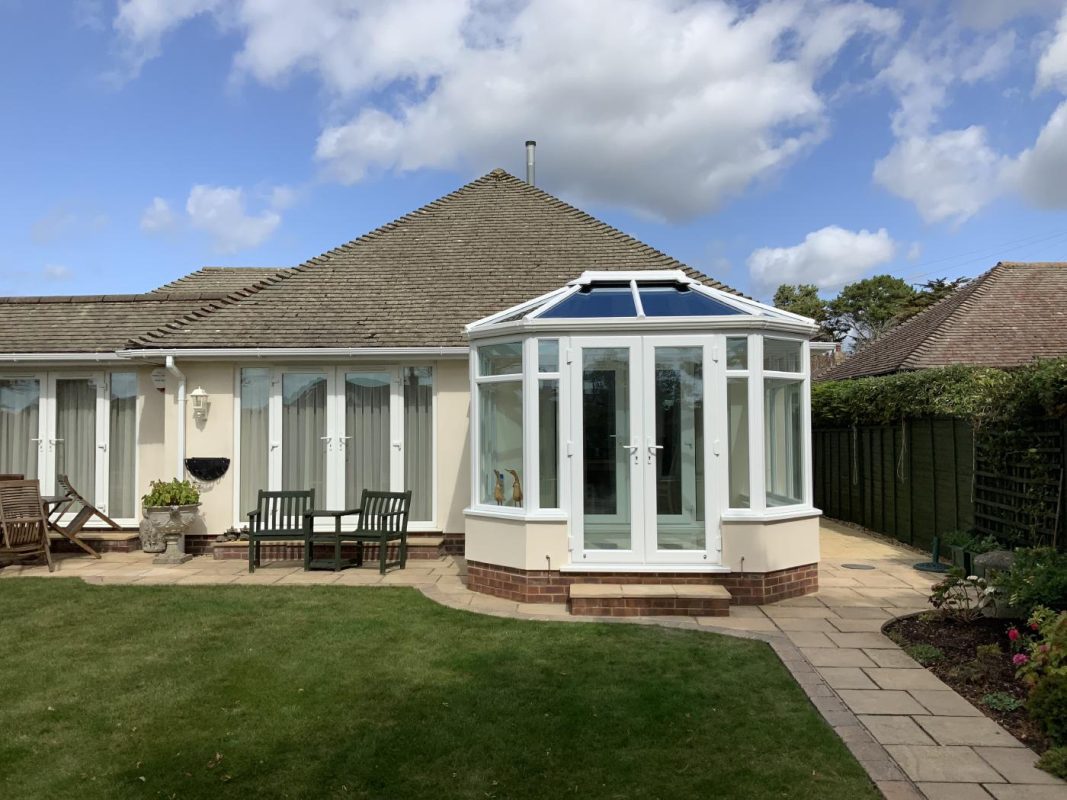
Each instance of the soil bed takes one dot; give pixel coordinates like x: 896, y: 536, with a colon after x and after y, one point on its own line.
x: 959, y: 669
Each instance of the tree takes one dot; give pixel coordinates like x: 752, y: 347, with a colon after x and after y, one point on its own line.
x: 804, y: 299
x: 867, y: 309
x: 933, y: 291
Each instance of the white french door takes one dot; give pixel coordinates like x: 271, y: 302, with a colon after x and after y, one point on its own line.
x: 337, y: 431
x: 640, y: 443
x: 66, y: 423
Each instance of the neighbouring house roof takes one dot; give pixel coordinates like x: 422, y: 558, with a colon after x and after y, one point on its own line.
x: 220, y: 279
x: 417, y: 281
x: 90, y: 324
x: 1009, y: 316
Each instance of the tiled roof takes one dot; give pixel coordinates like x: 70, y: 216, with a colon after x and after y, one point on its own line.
x: 419, y: 280
x: 1011, y: 315
x: 90, y: 324
x: 220, y: 279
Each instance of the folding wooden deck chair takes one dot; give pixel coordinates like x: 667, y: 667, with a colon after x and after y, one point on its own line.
x: 23, y: 526
x: 86, y: 511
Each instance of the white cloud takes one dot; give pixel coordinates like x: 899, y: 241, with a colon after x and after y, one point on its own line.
x: 57, y: 273
x: 1052, y: 68
x: 668, y: 108
x: 987, y: 14
x: 66, y: 222
x: 829, y: 258
x: 220, y: 212
x: 158, y: 217
x: 1038, y: 173
x: 915, y: 251
x: 949, y: 176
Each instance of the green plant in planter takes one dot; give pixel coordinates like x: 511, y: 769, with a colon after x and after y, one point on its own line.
x: 981, y: 544
x: 1038, y: 577
x: 171, y: 493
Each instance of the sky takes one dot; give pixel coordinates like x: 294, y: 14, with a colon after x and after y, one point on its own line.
x: 795, y: 141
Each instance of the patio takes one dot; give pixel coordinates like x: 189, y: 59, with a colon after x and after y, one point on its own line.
x: 911, y: 732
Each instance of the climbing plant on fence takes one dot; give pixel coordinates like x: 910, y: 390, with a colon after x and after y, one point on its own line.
x: 927, y: 452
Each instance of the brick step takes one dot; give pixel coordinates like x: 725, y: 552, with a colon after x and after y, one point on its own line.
x: 419, y: 547
x: 101, y: 541
x: 648, y: 600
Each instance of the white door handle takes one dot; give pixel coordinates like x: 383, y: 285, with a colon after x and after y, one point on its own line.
x: 653, y: 451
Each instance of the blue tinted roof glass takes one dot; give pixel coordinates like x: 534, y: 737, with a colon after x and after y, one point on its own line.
x: 596, y: 301
x: 678, y: 301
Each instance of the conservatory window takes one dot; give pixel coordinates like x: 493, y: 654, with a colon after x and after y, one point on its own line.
x: 674, y: 300
x: 783, y: 438
x: 500, y: 425
x: 597, y: 301
x: 782, y: 355
x: 737, y: 422
x: 122, y: 445
x: 548, y: 422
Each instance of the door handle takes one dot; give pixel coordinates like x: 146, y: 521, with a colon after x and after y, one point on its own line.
x: 341, y: 441
x: 653, y: 451
x: 328, y: 440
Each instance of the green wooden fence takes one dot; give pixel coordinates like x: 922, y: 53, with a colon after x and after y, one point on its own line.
x: 911, y: 481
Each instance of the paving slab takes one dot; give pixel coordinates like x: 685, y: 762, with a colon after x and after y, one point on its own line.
x: 808, y: 639
x: 880, y: 701
x: 1007, y: 791
x: 945, y: 703
x: 942, y: 764
x: 954, y: 791
x: 897, y: 659
x: 861, y: 612
x: 1017, y: 765
x: 858, y: 625
x: 905, y: 679
x: 889, y: 729
x: 874, y: 641
x: 971, y: 731
x: 836, y: 657
x: 797, y: 612
x: 846, y: 678
x: 898, y: 790
x: 820, y: 624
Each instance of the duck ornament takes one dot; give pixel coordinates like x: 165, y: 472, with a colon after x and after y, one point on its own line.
x: 498, y: 490
x: 516, y: 489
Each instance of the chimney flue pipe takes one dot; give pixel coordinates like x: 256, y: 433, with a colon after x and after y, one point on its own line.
x: 530, y: 145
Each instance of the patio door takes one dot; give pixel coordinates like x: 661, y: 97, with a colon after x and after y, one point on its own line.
x: 641, y: 455
x: 77, y: 439
x: 23, y: 430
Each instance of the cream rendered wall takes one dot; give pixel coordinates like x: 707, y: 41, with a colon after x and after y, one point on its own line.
x: 517, y: 543
x: 212, y: 437
x: 770, y: 546
x: 453, y: 444
x: 151, y: 434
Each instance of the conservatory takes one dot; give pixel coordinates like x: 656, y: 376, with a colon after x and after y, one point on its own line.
x: 643, y: 427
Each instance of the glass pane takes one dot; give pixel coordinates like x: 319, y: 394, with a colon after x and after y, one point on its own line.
x: 122, y: 445
x: 75, y: 437
x: 783, y: 428
x: 500, y: 359
x: 548, y: 438
x: 781, y: 355
x: 605, y: 457
x: 597, y: 301
x: 678, y: 453
x: 737, y: 352
x: 366, y: 443
x: 548, y: 355
x: 680, y: 301
x: 737, y: 424
x: 20, y: 407
x: 255, y: 436
x: 303, y: 433
x: 418, y: 441
x: 500, y: 442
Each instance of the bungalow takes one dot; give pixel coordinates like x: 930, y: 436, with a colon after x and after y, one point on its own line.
x: 566, y: 401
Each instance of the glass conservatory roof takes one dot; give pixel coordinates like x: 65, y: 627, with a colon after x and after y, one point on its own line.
x: 646, y: 295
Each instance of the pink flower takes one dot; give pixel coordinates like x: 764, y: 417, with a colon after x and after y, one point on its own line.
x: 1033, y: 626
x: 1019, y: 659
x: 1013, y: 634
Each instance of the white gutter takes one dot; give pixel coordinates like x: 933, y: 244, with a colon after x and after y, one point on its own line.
x: 21, y: 357
x: 172, y: 368
x: 297, y: 352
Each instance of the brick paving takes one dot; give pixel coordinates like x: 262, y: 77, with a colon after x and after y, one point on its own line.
x: 915, y: 736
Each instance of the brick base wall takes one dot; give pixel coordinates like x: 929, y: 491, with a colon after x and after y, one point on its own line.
x: 649, y: 606
x: 282, y: 551
x: 543, y: 586
x: 454, y: 544
x: 100, y: 546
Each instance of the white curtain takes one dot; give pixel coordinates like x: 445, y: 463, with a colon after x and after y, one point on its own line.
x: 20, y: 408
x: 367, y: 397
x: 418, y: 440
x: 303, y: 432
x: 122, y: 447
x: 75, y: 446
x: 255, y: 436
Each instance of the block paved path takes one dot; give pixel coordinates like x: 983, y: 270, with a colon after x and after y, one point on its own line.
x: 914, y: 735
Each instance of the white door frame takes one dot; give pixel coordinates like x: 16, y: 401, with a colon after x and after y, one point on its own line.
x: 49, y: 483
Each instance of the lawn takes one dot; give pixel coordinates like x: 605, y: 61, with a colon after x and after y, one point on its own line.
x: 328, y: 692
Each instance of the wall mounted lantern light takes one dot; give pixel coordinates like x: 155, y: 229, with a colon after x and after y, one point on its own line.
x: 199, y: 399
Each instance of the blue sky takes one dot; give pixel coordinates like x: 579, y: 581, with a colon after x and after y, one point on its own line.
x: 801, y: 140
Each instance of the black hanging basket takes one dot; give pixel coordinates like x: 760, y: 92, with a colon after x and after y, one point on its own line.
x: 207, y: 469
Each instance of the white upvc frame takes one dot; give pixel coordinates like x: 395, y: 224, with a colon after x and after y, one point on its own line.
x: 335, y: 412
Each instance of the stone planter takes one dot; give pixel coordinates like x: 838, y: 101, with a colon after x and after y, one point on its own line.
x: 163, y: 531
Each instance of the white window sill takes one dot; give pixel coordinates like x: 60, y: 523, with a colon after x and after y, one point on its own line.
x: 770, y: 515
x: 600, y: 567
x: 519, y: 514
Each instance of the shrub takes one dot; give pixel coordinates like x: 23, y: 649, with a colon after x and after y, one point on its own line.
x: 1046, y: 651
x: 1038, y: 577
x: 171, y: 493
x: 1001, y: 701
x: 1054, y: 761
x: 925, y: 654
x: 982, y: 544
x: 987, y: 663
x: 962, y: 598
x: 1047, y: 707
